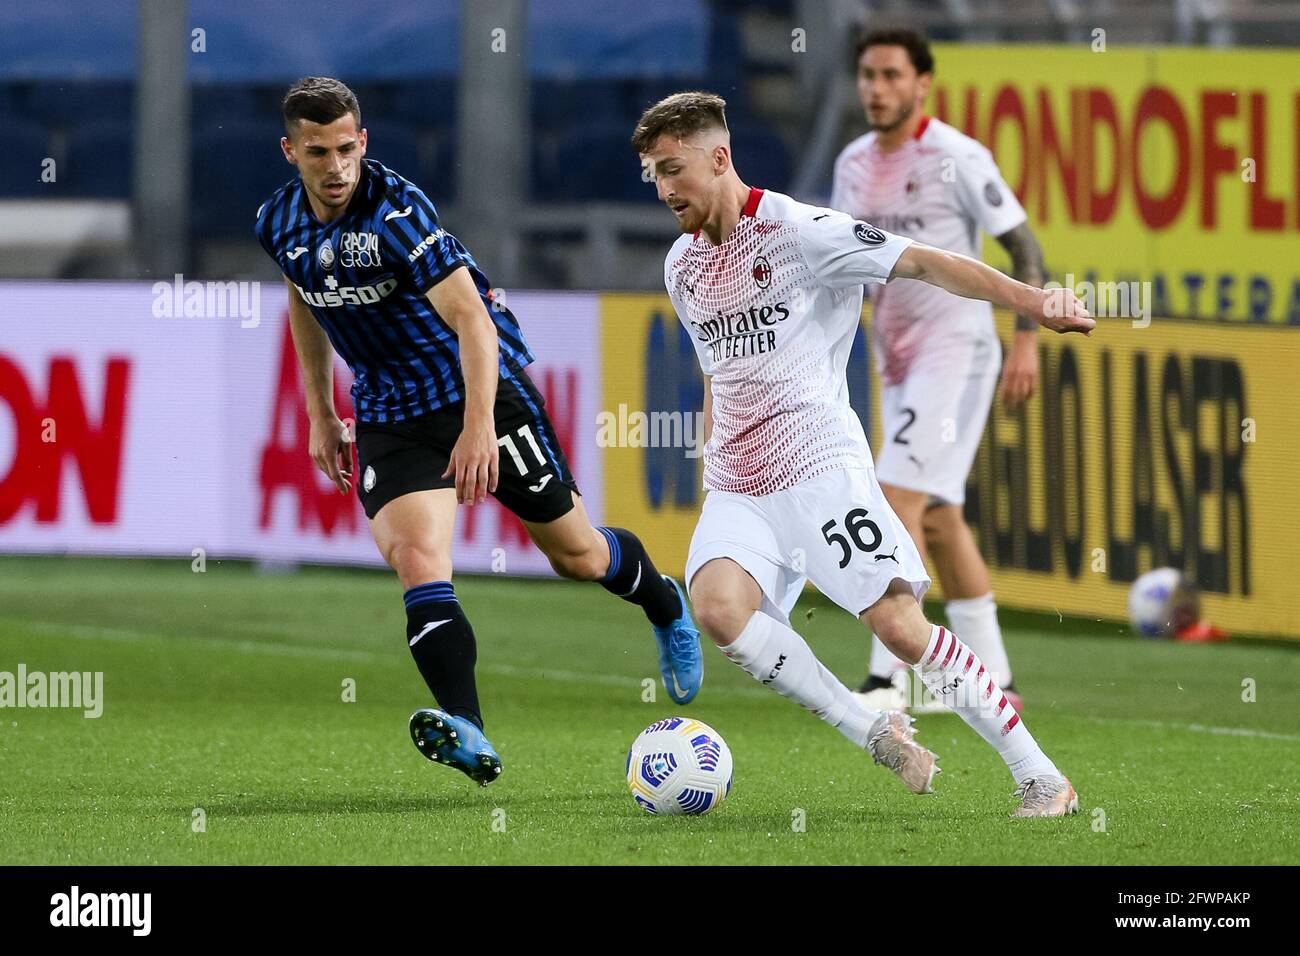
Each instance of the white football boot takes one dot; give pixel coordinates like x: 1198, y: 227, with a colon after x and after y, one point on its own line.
x: 891, y: 742
x: 1049, y: 796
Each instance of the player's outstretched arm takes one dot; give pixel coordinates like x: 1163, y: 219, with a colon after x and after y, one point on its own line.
x: 1056, y: 309
x: 329, y: 443
x: 474, y: 459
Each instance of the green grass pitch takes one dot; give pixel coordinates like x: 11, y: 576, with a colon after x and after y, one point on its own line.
x: 224, y: 694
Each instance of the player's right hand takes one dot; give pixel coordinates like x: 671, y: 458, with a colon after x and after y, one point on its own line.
x: 330, y: 444
x: 1061, y: 311
x: 475, y: 462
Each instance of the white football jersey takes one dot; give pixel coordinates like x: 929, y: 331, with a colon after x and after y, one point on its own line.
x: 772, y: 313
x: 940, y: 188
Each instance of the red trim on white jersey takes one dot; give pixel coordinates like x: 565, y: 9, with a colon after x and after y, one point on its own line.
x: 925, y: 121
x: 751, y: 206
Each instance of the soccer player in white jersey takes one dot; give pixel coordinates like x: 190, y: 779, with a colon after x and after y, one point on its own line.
x: 770, y: 290
x: 937, y: 353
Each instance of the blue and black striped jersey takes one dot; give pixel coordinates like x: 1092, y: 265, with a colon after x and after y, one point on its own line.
x: 364, y: 276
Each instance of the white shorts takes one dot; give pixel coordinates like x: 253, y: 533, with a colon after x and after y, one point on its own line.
x: 836, y: 530
x: 934, y: 419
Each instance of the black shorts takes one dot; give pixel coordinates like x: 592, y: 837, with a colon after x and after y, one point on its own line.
x: 534, y: 481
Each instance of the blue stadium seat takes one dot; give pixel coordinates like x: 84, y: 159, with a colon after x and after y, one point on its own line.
x: 236, y: 167
x: 430, y: 101
x: 558, y: 105
x: 65, y: 104
x: 214, y: 105
x: 397, y: 145
x: 441, y: 183
x: 99, y: 160
x: 642, y: 93
x: 591, y: 164
x: 27, y: 145
x: 727, y: 61
x: 761, y: 156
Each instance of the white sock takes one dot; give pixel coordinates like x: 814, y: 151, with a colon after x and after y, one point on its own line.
x: 976, y: 620
x: 774, y: 655
x: 883, y: 662
x: 956, y: 676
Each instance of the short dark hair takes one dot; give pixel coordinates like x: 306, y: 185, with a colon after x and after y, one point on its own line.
x: 682, y: 114
x: 913, y: 41
x: 321, y: 99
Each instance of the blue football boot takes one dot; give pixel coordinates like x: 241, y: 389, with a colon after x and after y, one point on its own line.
x: 456, y: 742
x: 680, y: 659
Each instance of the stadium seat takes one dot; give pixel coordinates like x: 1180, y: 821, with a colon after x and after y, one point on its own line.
x: 595, y: 163
x: 559, y: 105
x: 761, y: 156
x: 66, y: 104
x: 441, y: 183
x: 214, y: 104
x: 397, y: 146
x: 236, y: 167
x: 99, y: 160
x: 727, y: 59
x: 428, y: 101
x: 27, y: 145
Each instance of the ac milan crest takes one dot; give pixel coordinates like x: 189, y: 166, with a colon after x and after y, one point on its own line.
x: 762, y: 272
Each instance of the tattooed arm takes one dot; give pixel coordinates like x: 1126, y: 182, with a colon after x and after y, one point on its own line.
x: 1020, y: 372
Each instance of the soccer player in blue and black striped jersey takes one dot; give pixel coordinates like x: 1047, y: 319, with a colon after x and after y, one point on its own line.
x: 439, y: 389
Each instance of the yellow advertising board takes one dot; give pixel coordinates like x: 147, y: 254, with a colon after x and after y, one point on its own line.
x: 1174, y: 444
x: 1177, y: 167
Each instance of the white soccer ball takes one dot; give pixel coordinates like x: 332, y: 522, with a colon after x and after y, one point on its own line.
x: 1163, y: 602
x: 679, y: 765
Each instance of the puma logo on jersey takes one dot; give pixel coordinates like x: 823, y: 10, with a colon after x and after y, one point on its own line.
x: 295, y: 253
x: 889, y: 557
x: 398, y: 215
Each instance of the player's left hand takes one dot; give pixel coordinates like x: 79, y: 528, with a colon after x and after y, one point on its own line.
x: 1061, y: 311
x: 474, y: 462
x: 1020, y: 371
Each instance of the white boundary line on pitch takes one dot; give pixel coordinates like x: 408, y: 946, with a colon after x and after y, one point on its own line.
x: 93, y: 632
x: 1195, y: 728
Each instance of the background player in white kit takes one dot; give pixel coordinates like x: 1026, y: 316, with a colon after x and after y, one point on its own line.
x: 770, y: 290
x: 937, y: 353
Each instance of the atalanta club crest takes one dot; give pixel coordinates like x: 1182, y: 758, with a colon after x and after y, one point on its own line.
x: 326, y: 255
x: 762, y: 272
x: 868, y: 234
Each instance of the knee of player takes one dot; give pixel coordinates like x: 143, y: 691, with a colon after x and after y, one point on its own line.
x: 901, y: 626
x: 932, y: 527
x: 417, y: 562
x: 577, y: 565
x: 721, y: 617
x: 938, y: 522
